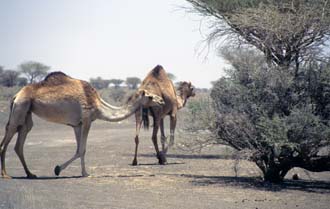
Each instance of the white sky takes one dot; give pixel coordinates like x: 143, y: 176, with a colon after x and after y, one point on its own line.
x: 107, y: 38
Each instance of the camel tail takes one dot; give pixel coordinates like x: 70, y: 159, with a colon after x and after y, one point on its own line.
x: 145, y: 118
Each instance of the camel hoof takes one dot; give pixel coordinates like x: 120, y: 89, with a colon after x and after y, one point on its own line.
x: 57, y: 170
x: 134, y: 163
x: 84, y: 174
x: 161, y: 158
x: 31, y: 176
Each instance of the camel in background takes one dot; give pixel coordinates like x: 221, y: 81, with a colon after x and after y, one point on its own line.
x: 65, y: 100
x: 158, y: 83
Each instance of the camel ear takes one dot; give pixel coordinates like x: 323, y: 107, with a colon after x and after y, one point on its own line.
x: 189, y: 83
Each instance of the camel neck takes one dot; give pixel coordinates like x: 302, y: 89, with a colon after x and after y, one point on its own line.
x: 114, y: 114
x: 181, y: 101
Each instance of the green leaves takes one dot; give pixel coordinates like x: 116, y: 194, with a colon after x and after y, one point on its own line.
x: 287, y: 32
x: 281, y: 116
x: 274, y: 102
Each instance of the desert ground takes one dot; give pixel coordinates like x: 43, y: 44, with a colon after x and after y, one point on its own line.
x: 189, y: 180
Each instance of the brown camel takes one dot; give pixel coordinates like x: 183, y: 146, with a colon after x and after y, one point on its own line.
x: 158, y: 83
x: 65, y: 100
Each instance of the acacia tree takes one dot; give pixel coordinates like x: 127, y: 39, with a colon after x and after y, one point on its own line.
x: 273, y: 103
x: 286, y: 31
x: 33, y: 71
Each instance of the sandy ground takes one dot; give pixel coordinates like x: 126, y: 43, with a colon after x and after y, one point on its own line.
x: 189, y: 180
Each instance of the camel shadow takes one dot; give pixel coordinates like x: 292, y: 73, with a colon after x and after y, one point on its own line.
x: 47, y: 177
x: 157, y: 164
x: 258, y: 184
x: 79, y: 177
x: 193, y: 156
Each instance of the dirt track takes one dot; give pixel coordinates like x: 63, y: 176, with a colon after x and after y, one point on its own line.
x: 205, y: 180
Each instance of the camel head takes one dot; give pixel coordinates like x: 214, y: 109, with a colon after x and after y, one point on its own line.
x: 186, y: 89
x: 146, y: 98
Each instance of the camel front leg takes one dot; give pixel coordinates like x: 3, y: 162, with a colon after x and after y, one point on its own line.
x: 77, y: 132
x: 138, y: 119
x: 82, y: 148
x: 162, y: 136
x: 160, y: 155
x: 81, y: 133
x: 22, y: 133
x: 172, y: 131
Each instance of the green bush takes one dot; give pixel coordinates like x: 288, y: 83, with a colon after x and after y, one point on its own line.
x: 279, y: 115
x: 197, y: 123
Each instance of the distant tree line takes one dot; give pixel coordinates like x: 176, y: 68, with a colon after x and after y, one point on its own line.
x: 27, y: 72
x: 32, y: 72
x: 100, y: 83
x: 131, y: 82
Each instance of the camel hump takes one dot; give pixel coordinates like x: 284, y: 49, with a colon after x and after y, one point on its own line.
x: 55, y: 78
x: 158, y: 71
x: 54, y: 74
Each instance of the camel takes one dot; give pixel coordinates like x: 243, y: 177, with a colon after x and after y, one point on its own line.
x: 65, y: 100
x: 159, y: 84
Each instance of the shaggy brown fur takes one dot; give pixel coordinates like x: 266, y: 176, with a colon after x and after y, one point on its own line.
x: 159, y: 84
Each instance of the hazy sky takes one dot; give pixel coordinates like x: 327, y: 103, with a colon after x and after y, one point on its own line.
x: 108, y: 38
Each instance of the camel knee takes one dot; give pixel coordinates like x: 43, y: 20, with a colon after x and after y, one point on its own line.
x: 163, y: 139
x: 11, y: 129
x: 81, y: 153
x: 77, y: 155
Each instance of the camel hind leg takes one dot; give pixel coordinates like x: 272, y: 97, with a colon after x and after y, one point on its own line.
x: 138, y: 118
x: 16, y: 120
x: 10, y: 132
x: 160, y: 155
x: 22, y: 133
